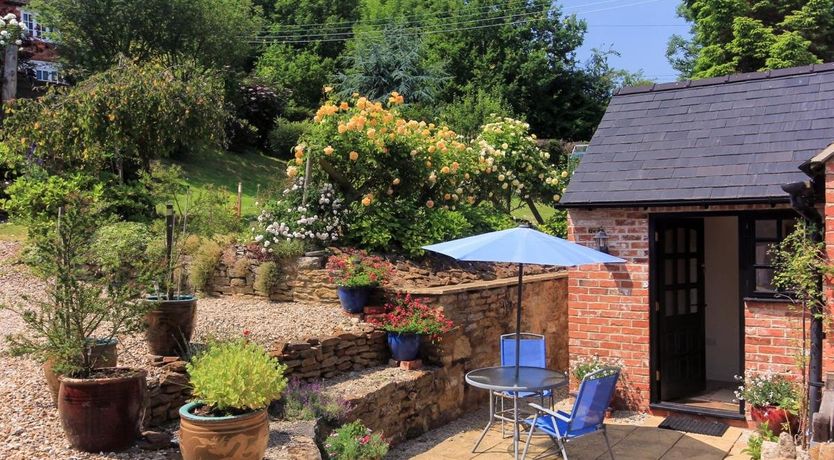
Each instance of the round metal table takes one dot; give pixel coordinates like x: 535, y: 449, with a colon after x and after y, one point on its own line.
x: 504, y: 380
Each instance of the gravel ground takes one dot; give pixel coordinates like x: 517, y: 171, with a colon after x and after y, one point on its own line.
x: 29, y: 424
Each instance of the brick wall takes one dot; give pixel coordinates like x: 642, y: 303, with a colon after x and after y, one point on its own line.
x: 828, y: 281
x: 772, y: 336
x: 608, y: 306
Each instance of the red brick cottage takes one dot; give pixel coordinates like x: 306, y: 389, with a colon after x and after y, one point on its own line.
x: 686, y: 179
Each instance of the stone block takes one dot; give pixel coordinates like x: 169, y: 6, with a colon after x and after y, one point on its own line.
x: 413, y: 365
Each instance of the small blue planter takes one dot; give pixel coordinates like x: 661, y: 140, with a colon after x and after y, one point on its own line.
x: 404, y: 347
x: 353, y: 299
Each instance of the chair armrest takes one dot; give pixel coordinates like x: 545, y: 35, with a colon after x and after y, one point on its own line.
x: 557, y: 414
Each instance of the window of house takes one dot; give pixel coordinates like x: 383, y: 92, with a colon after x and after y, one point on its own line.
x: 46, y: 71
x: 761, y: 233
x: 34, y: 29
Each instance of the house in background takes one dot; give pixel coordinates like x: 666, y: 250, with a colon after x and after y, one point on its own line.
x: 38, y: 56
x: 686, y: 180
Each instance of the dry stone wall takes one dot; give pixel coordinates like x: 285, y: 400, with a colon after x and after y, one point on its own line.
x: 324, y: 358
x: 167, y: 391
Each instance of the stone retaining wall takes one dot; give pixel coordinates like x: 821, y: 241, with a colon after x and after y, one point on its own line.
x: 332, y: 356
x: 305, y: 279
x: 167, y: 392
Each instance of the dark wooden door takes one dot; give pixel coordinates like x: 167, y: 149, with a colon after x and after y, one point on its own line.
x: 679, y: 307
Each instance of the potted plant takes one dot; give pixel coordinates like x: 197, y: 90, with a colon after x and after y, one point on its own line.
x: 406, y: 320
x: 773, y: 400
x: 354, y: 441
x: 172, y: 312
x: 100, y: 408
x: 233, y: 383
x: 355, y: 273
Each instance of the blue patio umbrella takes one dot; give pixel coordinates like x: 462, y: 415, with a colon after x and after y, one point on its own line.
x: 522, y: 245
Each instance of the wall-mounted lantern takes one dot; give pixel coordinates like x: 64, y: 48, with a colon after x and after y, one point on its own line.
x: 601, y: 238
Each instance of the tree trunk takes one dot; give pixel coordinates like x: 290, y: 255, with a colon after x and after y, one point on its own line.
x: 10, y: 73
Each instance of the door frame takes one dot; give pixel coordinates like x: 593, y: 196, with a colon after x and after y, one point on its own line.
x: 654, y: 346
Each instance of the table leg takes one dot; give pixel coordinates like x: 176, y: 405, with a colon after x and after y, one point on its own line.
x: 515, y: 425
x: 491, y: 418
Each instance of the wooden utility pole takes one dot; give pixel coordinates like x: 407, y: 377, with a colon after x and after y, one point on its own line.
x: 10, y: 73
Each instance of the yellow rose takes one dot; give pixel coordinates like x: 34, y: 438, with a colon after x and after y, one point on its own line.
x: 328, y: 89
x: 556, y: 197
x: 342, y: 128
x: 445, y: 170
x: 396, y: 181
x: 328, y: 150
x: 447, y: 197
x: 344, y: 106
x: 430, y: 204
x: 354, y: 155
x: 367, y: 200
x: 371, y: 133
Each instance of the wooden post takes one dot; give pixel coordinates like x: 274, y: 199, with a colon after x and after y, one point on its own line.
x: 10, y: 73
x: 239, y: 198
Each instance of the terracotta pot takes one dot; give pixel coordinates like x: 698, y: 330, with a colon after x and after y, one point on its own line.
x: 170, y: 324
x: 775, y: 417
x: 103, y: 414
x: 240, y: 437
x: 103, y: 353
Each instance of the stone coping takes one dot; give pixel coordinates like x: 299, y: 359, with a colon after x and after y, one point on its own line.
x: 479, y: 285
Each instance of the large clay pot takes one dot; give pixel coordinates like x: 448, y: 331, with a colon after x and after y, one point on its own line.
x: 353, y: 299
x: 103, y: 353
x: 404, y: 347
x: 170, y: 324
x: 240, y: 437
x: 103, y: 414
x: 775, y: 417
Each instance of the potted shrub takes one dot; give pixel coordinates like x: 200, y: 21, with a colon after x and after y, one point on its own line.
x: 354, y: 441
x: 406, y: 320
x: 355, y: 273
x: 172, y: 312
x: 773, y: 400
x: 100, y: 408
x: 233, y: 383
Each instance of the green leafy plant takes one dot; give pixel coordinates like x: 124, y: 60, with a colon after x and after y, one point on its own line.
x: 410, y: 315
x: 267, y: 276
x: 754, y: 443
x: 284, y: 136
x: 307, y: 401
x: 81, y: 305
x: 768, y: 389
x: 587, y: 365
x: 357, y: 269
x: 236, y: 377
x: 204, y: 263
x: 355, y: 442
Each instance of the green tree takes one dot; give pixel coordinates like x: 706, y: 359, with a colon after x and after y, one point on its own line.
x: 730, y: 36
x: 302, y: 71
x: 94, y: 33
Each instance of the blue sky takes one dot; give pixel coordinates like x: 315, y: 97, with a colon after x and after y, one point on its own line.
x: 637, y: 29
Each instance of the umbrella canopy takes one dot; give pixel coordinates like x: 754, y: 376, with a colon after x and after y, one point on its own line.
x: 522, y: 245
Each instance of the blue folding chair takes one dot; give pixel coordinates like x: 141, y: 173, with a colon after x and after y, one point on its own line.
x: 587, y: 415
x: 532, y: 354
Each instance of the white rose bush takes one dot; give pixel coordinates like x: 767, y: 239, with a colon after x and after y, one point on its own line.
x: 11, y: 31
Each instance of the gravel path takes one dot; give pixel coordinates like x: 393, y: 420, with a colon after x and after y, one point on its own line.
x: 29, y: 424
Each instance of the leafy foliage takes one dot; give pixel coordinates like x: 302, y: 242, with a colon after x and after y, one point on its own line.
x: 307, y: 401
x: 204, y: 263
x: 285, y: 135
x: 267, y: 276
x: 81, y: 305
x: 754, y: 443
x: 175, y: 30
x: 236, y: 376
x: 588, y: 365
x: 731, y: 36
x: 410, y: 315
x: 357, y: 269
x: 356, y: 442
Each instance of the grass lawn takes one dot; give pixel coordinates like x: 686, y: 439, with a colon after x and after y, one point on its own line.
x: 12, y: 232
x: 226, y: 169
x: 525, y: 213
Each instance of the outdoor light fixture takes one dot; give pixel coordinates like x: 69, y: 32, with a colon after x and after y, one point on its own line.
x: 601, y: 238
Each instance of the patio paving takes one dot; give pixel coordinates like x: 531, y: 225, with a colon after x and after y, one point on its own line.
x: 631, y: 438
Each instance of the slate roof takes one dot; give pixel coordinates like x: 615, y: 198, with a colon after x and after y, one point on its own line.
x: 727, y: 139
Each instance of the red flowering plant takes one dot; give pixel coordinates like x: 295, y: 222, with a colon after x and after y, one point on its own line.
x: 410, y: 315
x: 357, y: 269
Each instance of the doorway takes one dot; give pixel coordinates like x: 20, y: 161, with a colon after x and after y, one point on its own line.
x: 696, y: 334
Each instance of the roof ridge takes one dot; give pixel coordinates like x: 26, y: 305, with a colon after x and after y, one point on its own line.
x: 735, y: 78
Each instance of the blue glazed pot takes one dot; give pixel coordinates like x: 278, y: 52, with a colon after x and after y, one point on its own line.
x: 404, y: 347
x: 353, y: 299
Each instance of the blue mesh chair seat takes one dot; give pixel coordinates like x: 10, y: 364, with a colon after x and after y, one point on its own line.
x: 586, y: 417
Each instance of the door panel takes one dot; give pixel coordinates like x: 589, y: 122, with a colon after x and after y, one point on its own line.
x: 680, y: 310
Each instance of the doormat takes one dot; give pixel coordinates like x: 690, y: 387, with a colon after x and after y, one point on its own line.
x: 693, y: 425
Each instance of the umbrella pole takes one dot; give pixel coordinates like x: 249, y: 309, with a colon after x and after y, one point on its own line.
x: 518, y: 319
